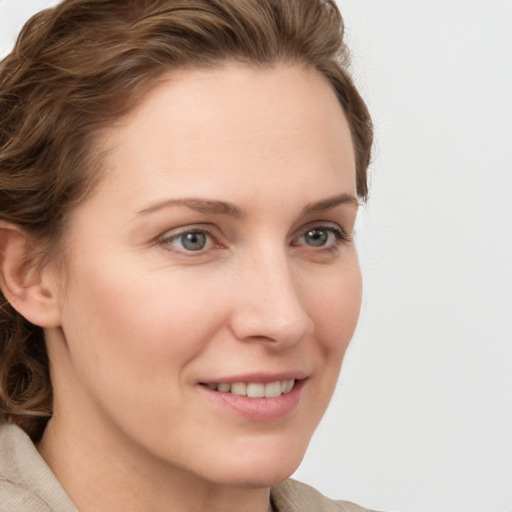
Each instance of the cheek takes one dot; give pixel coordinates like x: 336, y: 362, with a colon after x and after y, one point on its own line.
x: 138, y: 323
x: 132, y: 340
x: 335, y: 308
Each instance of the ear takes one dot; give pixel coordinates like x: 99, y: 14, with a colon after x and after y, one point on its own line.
x: 30, y: 291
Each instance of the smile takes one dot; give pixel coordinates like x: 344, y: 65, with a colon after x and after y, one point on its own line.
x: 255, y: 389
x: 258, y: 397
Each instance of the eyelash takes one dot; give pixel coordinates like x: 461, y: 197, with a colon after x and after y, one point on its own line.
x: 167, y: 239
x: 340, y: 238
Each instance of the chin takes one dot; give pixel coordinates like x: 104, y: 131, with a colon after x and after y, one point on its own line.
x: 260, y: 476
x: 259, y: 466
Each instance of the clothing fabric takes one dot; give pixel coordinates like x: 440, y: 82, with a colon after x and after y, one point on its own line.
x: 27, y: 484
x: 293, y: 496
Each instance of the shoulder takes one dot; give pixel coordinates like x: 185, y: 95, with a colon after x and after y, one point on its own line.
x: 293, y: 496
x: 26, y: 482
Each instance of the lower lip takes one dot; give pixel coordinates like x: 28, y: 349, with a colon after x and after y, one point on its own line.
x: 259, y: 409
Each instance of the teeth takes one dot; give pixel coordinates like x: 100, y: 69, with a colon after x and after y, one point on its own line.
x: 273, y: 389
x: 239, y: 388
x: 256, y: 389
x: 289, y: 385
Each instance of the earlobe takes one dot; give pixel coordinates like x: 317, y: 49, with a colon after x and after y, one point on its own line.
x: 28, y: 289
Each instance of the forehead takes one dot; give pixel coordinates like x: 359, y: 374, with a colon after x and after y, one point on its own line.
x: 232, y: 123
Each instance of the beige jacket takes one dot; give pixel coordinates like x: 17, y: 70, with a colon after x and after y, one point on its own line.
x: 28, y: 485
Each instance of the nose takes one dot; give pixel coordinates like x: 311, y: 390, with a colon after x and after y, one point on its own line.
x: 268, y: 304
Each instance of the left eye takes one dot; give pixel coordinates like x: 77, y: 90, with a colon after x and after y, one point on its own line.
x: 190, y: 240
x: 321, y: 237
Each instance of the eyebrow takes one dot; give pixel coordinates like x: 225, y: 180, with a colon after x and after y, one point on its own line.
x: 208, y: 206
x: 214, y: 207
x: 330, y: 202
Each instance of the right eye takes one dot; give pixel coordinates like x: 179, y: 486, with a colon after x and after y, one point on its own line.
x: 193, y: 240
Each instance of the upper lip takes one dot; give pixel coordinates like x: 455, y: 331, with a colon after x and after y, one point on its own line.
x: 262, y: 377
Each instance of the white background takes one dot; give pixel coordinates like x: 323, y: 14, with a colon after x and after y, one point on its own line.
x: 422, y: 418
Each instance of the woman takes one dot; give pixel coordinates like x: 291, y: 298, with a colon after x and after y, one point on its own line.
x: 179, y: 185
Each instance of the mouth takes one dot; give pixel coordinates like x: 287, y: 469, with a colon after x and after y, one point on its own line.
x: 258, y: 397
x: 254, y: 389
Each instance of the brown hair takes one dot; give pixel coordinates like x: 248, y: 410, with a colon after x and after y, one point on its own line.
x: 77, y: 67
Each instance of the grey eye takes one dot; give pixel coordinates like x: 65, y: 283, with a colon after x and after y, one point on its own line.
x: 192, y: 241
x: 316, y: 237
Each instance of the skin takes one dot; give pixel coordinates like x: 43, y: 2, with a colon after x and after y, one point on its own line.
x: 140, y: 321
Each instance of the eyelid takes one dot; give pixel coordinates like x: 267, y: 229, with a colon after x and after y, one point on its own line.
x: 341, y: 235
x: 175, y: 233
x: 327, y: 225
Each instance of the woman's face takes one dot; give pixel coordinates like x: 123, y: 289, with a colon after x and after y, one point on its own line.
x: 214, y: 261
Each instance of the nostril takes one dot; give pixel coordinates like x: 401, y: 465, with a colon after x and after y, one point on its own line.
x: 260, y: 327
x: 268, y: 307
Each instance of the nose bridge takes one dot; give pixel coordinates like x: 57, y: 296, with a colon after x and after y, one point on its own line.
x: 269, y: 304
